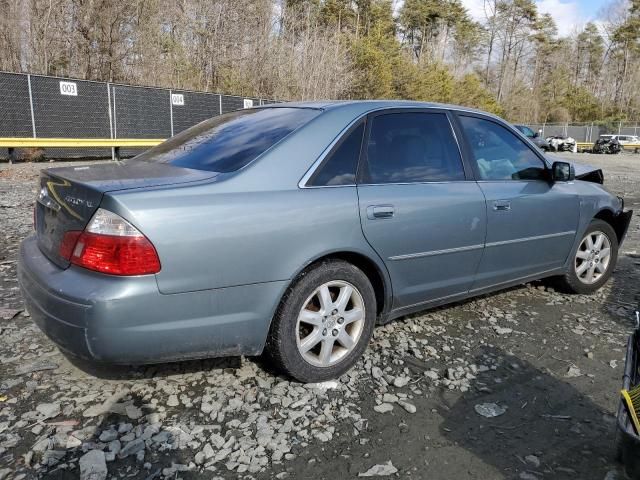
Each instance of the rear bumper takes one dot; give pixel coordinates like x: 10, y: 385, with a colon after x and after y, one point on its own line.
x: 126, y: 320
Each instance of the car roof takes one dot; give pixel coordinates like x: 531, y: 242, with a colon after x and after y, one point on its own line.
x: 368, y: 105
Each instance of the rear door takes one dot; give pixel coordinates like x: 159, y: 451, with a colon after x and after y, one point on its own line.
x: 531, y: 221
x: 418, y: 210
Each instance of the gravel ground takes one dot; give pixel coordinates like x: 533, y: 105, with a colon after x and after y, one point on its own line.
x: 547, y: 365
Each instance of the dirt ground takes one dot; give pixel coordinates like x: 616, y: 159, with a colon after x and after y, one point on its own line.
x: 552, y: 362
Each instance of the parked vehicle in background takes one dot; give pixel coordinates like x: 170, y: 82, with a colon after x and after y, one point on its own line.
x: 535, y: 137
x: 622, y: 139
x: 562, y: 143
x: 294, y: 228
x: 607, y: 144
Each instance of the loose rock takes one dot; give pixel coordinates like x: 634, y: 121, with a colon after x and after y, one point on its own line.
x: 93, y: 466
x: 380, y: 470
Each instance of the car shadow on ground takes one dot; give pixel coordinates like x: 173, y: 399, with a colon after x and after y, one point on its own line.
x: 624, y: 295
x: 158, y: 370
x: 549, y: 429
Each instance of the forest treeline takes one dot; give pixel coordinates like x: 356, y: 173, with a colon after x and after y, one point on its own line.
x: 512, y: 62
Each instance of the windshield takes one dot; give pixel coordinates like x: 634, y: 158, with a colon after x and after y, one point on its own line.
x: 228, y: 142
x: 526, y: 131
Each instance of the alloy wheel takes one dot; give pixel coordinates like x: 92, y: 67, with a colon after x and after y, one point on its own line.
x: 593, y: 257
x: 330, y: 323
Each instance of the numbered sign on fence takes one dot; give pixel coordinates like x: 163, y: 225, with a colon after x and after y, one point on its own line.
x: 68, y: 88
x: 177, y: 99
x: 248, y: 103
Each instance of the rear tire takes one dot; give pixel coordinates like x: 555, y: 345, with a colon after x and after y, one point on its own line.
x: 324, y: 322
x: 594, y: 260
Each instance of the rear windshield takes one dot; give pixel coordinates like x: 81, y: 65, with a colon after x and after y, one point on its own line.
x: 228, y: 142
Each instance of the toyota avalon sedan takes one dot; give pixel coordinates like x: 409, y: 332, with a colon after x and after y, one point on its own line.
x: 294, y: 229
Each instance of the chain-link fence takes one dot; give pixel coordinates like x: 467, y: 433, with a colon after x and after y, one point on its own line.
x: 585, y: 132
x: 36, y: 106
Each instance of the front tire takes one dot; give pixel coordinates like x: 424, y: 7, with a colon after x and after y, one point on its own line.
x: 594, y: 260
x: 324, y: 322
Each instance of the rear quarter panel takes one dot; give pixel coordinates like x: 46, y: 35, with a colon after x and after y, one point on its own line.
x: 208, y: 239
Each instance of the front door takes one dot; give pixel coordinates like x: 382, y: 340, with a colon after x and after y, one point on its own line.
x: 531, y: 221
x: 418, y: 210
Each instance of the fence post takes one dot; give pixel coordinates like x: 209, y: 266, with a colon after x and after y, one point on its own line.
x: 220, y: 101
x: 543, y: 125
x: 171, y: 110
x: 33, y: 118
x: 619, y: 127
x: 113, y: 151
x: 115, y: 116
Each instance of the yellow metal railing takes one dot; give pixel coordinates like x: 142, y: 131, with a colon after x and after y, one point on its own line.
x: 115, y: 143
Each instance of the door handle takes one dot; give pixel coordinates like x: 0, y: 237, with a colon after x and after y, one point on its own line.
x: 502, y: 205
x: 380, y: 211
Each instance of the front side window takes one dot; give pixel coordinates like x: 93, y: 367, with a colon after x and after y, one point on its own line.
x: 340, y: 166
x: 499, y: 154
x: 412, y: 147
x: 228, y: 142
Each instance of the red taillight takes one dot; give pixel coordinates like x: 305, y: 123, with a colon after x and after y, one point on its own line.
x: 110, y: 244
x: 115, y: 255
x: 68, y: 243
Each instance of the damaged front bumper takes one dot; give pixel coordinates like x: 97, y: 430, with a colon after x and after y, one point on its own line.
x: 622, y: 221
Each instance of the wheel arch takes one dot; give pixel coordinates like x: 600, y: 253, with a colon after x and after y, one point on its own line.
x: 616, y: 221
x: 375, y: 272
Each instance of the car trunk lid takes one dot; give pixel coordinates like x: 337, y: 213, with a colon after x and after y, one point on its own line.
x: 69, y: 196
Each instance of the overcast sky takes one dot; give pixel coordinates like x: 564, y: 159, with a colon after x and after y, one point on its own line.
x: 568, y: 14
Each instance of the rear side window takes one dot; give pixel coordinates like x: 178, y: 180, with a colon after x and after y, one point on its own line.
x: 228, y: 142
x: 412, y: 147
x: 340, y: 167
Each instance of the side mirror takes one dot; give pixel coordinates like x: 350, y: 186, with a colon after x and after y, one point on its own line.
x: 535, y: 135
x: 562, y: 172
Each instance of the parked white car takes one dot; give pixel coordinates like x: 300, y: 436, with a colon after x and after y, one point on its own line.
x: 561, y: 143
x: 622, y: 139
